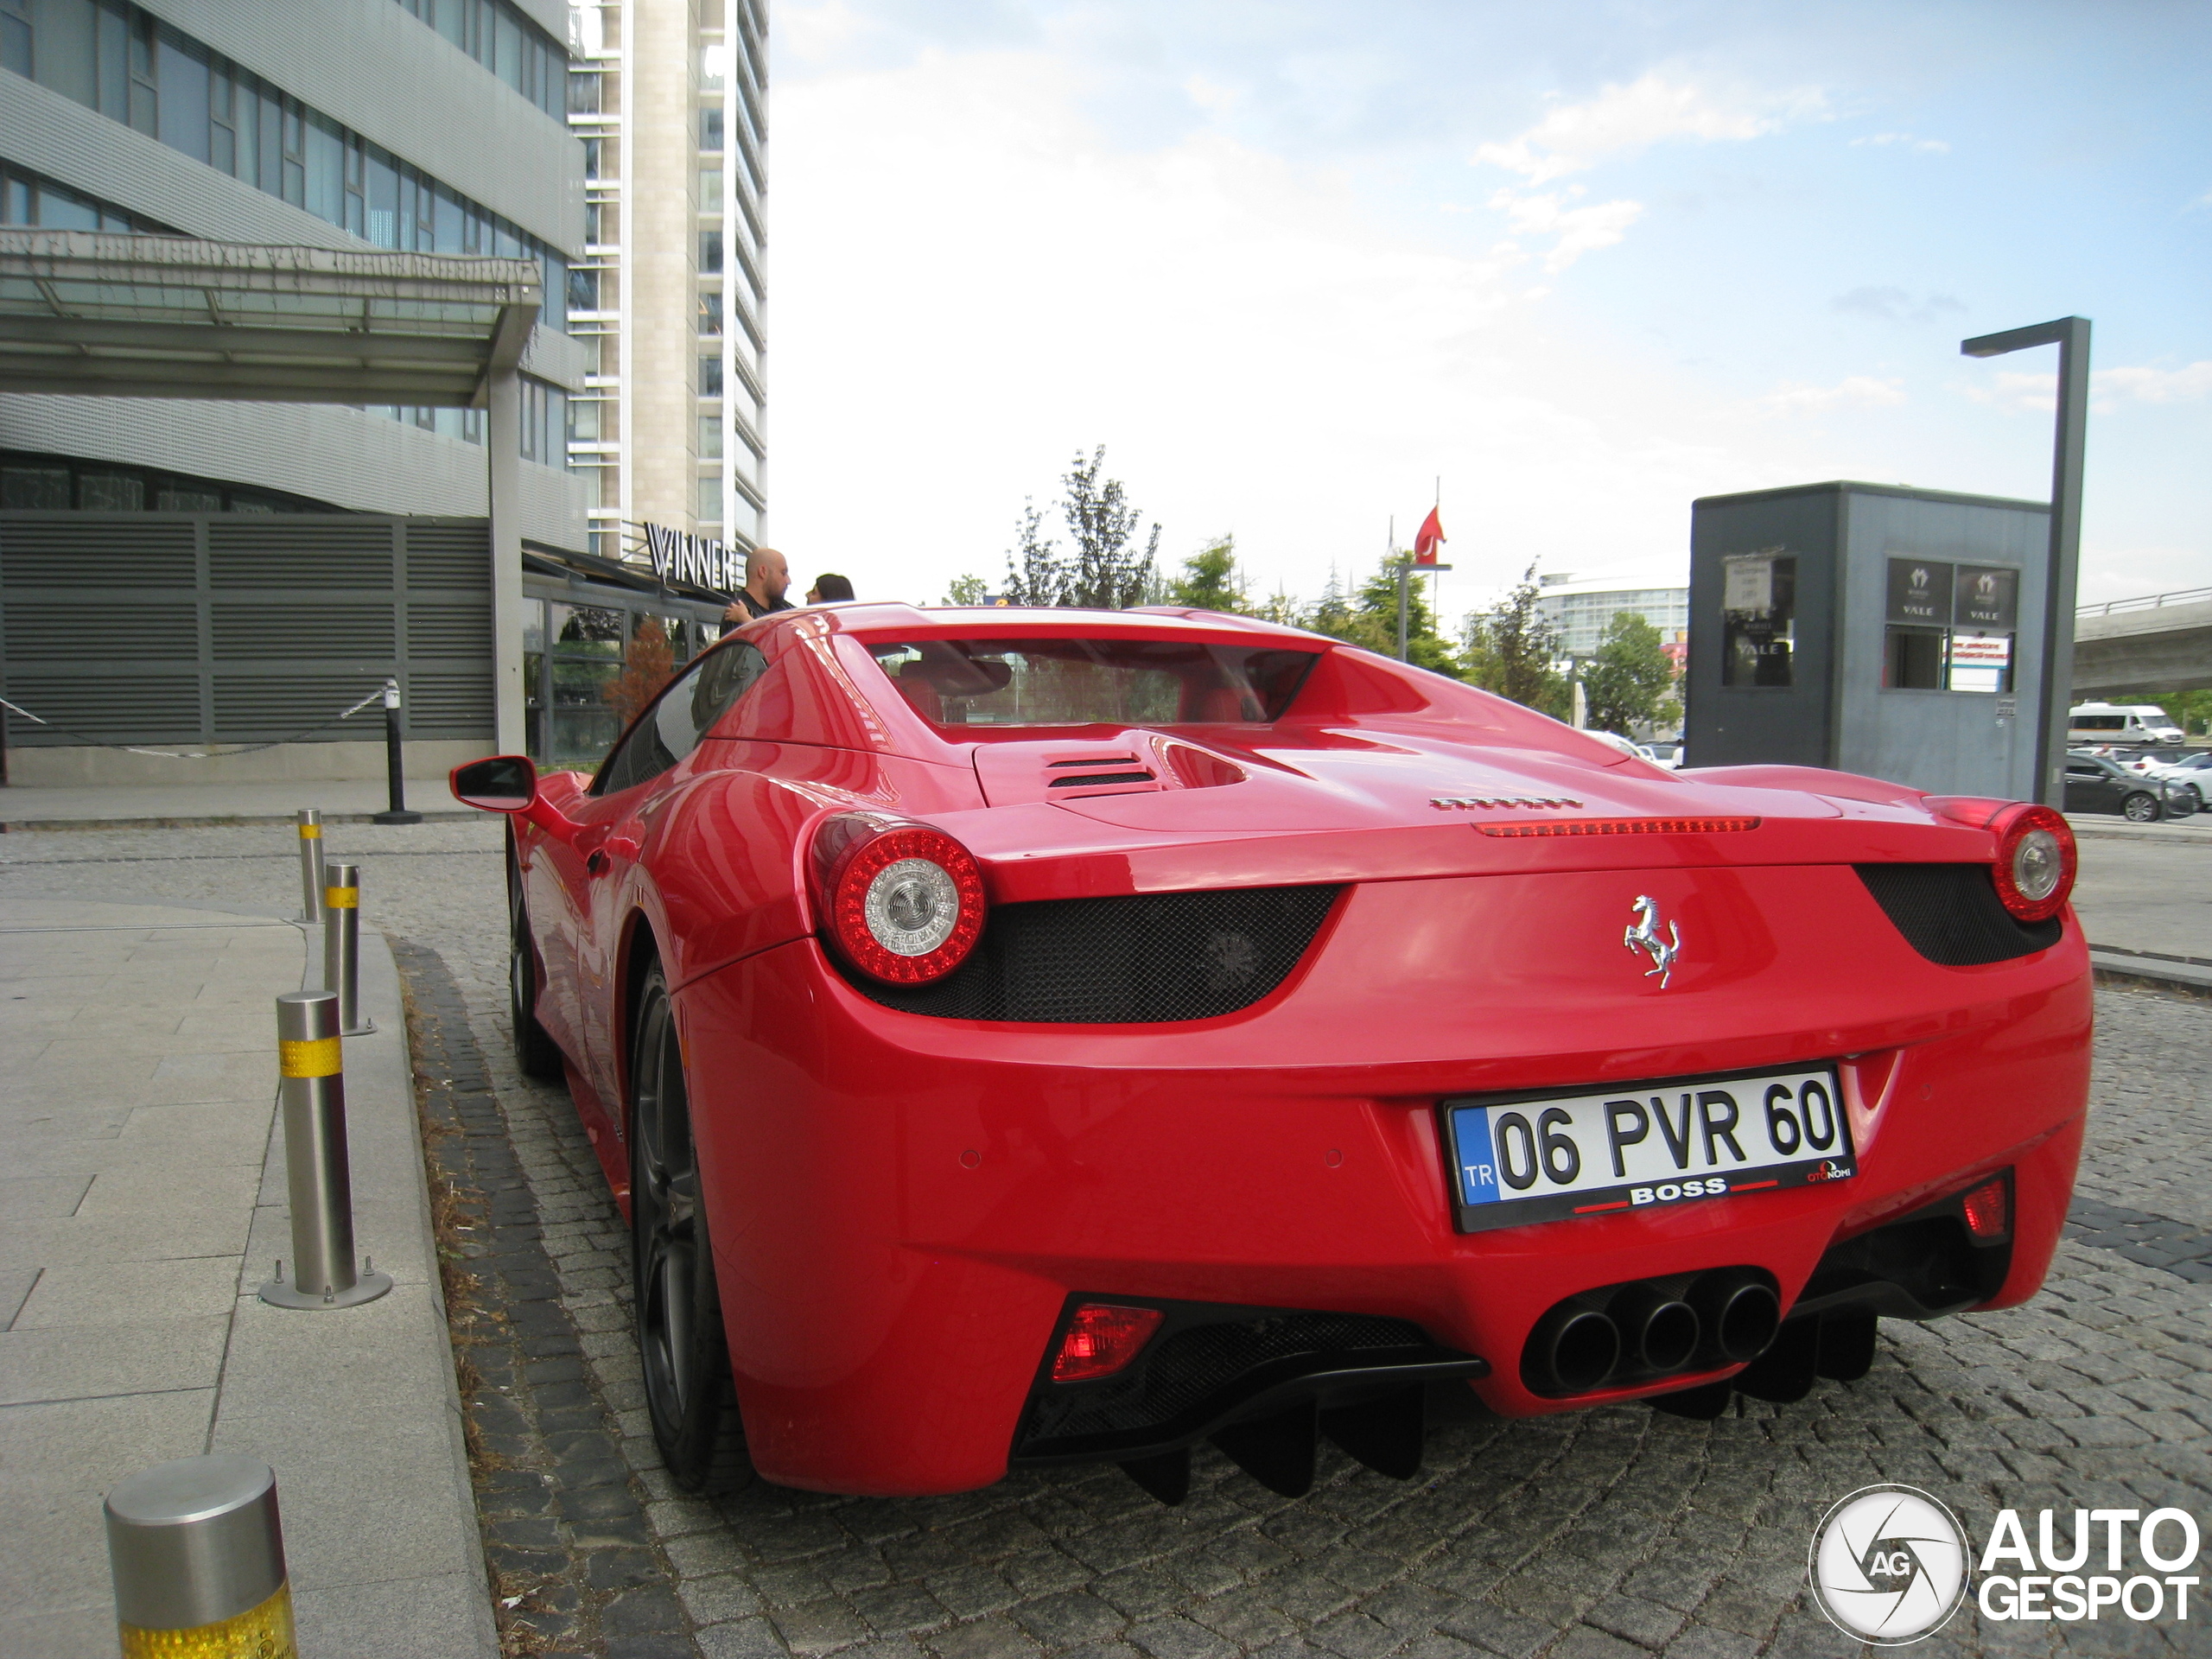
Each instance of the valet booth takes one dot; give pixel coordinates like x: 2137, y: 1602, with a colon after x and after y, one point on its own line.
x: 1892, y: 631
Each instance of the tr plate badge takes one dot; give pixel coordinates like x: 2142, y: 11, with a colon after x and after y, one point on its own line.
x: 1643, y: 936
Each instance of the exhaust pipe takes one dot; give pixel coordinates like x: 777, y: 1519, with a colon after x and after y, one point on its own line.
x: 1740, y: 1314
x: 1572, y: 1350
x: 1659, y: 1331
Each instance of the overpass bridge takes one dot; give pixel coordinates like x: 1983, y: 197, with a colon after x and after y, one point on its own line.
x: 2129, y: 649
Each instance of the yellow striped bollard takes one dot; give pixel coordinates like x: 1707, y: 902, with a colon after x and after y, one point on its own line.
x: 311, y: 877
x: 196, y: 1552
x: 312, y: 1090
x: 342, y: 947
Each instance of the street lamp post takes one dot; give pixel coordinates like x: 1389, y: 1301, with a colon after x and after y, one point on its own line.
x: 2062, y: 569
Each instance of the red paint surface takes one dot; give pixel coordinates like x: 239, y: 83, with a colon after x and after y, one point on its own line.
x: 901, y: 1204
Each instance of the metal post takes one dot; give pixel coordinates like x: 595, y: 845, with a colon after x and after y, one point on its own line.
x: 196, y: 1551
x: 310, y: 865
x: 1405, y: 580
x: 395, y: 763
x: 2062, y: 567
x: 342, y: 948
x: 313, y: 1094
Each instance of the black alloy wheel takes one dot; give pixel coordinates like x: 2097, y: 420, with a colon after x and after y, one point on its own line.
x: 681, y: 1341
x: 2139, y: 808
x: 536, y: 1052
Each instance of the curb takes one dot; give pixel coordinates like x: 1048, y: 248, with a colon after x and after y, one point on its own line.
x: 2115, y: 964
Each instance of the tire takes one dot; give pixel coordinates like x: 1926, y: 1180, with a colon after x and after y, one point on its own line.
x: 537, y: 1054
x: 2140, y: 808
x: 681, y: 1345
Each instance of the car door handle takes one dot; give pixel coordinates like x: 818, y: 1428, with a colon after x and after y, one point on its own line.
x: 597, y: 864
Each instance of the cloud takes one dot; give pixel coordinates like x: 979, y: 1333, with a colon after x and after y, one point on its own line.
x: 1622, y: 120
x: 2154, y: 385
x: 2034, y: 393
x: 1852, y: 391
x: 1578, y: 231
x: 1934, y: 146
x: 1895, y: 305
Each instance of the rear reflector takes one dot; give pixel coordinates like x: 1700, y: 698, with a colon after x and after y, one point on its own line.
x: 1619, y: 827
x: 1101, y: 1339
x: 1988, y: 1214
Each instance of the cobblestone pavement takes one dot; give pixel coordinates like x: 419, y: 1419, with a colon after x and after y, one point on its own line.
x: 1610, y: 1533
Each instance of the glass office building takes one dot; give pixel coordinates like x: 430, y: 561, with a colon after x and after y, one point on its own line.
x: 669, y: 101
x: 1582, y: 611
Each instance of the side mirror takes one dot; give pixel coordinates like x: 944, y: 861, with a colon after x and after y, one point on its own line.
x: 504, y: 783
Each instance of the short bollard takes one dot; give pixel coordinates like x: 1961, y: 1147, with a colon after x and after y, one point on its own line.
x: 196, y: 1551
x: 313, y: 1093
x: 342, y: 948
x: 311, y: 879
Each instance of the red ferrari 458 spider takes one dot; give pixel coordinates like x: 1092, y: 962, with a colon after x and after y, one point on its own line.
x: 1021, y: 1037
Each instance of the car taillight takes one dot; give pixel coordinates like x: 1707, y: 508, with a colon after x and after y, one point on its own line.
x: 1101, y: 1339
x: 2036, y: 859
x: 1988, y: 1215
x: 902, y: 902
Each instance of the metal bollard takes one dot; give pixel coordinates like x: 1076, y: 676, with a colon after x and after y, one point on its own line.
x: 395, y: 765
x: 196, y: 1551
x: 342, y: 948
x: 313, y: 1094
x: 310, y: 864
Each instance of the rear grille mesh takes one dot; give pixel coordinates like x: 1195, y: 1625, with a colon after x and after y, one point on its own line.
x: 1143, y: 959
x: 1951, y: 913
x: 1187, y: 1368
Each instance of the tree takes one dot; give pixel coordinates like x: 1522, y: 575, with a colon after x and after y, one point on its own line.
x: 1628, y: 682
x: 965, y: 590
x: 647, y: 665
x: 1102, y: 569
x: 1510, y: 649
x: 1210, y: 580
x: 1035, y: 574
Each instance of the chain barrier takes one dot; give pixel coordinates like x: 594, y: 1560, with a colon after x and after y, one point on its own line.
x: 375, y: 697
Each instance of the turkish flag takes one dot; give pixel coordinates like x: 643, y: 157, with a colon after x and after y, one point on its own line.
x: 1426, y: 539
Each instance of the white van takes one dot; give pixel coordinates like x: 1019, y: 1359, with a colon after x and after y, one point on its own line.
x: 2116, y: 722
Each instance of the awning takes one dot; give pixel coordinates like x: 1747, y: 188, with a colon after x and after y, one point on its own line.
x: 159, y: 316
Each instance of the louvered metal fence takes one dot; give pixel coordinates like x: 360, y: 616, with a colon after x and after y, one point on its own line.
x: 193, y: 628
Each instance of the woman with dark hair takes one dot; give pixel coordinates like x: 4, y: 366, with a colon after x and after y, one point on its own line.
x: 828, y: 589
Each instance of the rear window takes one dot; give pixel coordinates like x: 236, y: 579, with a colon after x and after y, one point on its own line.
x: 2099, y: 723
x: 1092, y: 681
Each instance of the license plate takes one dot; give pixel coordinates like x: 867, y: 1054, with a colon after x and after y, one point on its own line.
x: 1644, y: 1147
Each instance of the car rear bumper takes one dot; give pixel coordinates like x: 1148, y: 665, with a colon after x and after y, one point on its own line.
x: 902, y: 1206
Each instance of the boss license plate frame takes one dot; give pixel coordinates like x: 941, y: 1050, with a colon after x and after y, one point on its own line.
x: 1689, y: 1126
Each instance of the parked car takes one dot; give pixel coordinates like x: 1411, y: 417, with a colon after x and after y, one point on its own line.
x: 1664, y: 752
x: 1020, y: 1037
x: 2194, y: 770
x: 2097, y: 783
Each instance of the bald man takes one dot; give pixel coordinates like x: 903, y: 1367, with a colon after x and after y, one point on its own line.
x: 767, y: 576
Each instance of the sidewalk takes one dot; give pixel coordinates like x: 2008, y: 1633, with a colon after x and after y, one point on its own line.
x: 167, y: 806
x: 142, y: 1204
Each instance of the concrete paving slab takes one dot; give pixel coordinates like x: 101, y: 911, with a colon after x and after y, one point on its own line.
x: 131, y: 1238
x: 96, y: 1362
x: 15, y: 1286
x: 103, y: 1292
x: 45, y: 1198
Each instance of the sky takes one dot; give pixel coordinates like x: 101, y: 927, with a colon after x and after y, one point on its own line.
x: 1306, y: 268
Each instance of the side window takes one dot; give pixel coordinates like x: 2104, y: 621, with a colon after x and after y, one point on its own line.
x: 672, y: 727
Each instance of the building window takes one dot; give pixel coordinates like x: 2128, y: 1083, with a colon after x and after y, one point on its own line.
x: 710, y: 190
x: 117, y: 59
x: 710, y: 253
x: 710, y: 377
x: 710, y: 500
x: 710, y: 132
x: 711, y: 437
x: 710, y: 313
